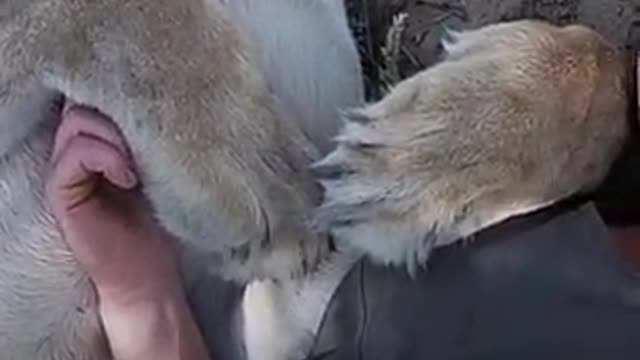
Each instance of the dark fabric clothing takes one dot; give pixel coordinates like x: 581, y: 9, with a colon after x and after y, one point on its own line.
x: 216, y: 305
x: 546, y: 286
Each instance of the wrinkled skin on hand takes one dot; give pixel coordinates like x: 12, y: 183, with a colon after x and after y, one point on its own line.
x: 92, y: 189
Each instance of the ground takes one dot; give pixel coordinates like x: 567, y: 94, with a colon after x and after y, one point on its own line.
x: 617, y: 20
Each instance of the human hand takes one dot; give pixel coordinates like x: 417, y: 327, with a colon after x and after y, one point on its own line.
x: 93, y: 193
x: 102, y: 214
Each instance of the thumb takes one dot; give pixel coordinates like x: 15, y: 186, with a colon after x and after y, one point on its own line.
x: 78, y: 168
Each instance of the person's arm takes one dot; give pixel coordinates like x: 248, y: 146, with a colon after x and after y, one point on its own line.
x: 109, y: 228
x: 161, y: 328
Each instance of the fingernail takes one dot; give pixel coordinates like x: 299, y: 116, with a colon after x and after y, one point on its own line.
x: 68, y: 105
x: 130, y: 178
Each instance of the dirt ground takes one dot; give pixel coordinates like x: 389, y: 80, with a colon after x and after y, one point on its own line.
x: 618, y: 20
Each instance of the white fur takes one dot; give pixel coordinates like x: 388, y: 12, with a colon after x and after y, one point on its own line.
x: 281, y: 320
x: 309, y: 30
x: 47, y: 308
x: 449, y: 39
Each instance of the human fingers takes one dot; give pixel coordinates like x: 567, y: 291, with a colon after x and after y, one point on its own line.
x: 73, y: 176
x: 78, y: 119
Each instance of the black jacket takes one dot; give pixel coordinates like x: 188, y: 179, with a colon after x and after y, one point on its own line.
x: 546, y: 286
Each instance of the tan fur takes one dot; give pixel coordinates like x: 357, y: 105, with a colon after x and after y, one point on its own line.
x: 214, y: 160
x: 517, y: 116
x: 225, y: 104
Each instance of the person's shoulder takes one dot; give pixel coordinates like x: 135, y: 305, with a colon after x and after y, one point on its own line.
x: 575, y: 226
x: 529, y: 284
